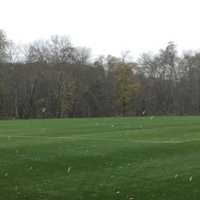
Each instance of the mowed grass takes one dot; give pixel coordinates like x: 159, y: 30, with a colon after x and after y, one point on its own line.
x: 100, y: 159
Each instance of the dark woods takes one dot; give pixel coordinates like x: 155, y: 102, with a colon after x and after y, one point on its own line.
x: 54, y: 79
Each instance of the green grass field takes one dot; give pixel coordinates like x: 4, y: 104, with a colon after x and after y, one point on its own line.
x: 100, y: 159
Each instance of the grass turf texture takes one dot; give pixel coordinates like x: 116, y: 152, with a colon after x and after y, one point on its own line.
x: 100, y: 159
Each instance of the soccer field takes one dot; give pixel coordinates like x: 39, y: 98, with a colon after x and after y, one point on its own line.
x: 149, y: 158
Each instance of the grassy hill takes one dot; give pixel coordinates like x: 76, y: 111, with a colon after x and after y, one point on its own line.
x: 100, y: 159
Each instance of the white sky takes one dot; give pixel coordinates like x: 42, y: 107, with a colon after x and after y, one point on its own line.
x: 106, y: 26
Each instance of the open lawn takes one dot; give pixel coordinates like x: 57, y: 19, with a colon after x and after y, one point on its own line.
x: 100, y: 159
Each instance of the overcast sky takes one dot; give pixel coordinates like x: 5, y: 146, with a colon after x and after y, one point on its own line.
x: 106, y: 26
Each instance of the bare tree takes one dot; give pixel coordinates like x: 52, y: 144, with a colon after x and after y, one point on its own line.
x: 3, y: 47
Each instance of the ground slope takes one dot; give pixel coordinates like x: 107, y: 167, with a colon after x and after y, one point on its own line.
x: 100, y: 159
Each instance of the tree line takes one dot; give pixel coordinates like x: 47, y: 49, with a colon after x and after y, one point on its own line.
x: 54, y: 79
